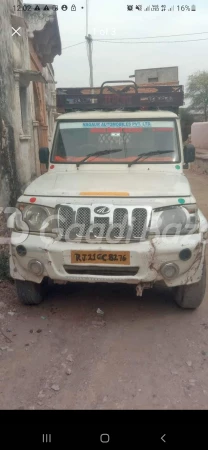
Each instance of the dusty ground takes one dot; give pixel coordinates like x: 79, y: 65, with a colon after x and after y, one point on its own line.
x: 142, y: 354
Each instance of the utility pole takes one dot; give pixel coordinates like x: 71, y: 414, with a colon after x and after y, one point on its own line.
x: 87, y: 10
x: 89, y: 43
x: 88, y: 38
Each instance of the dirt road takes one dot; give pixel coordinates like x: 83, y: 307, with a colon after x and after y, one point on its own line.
x: 142, y: 354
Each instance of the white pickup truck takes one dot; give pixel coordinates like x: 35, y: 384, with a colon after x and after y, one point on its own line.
x: 115, y: 205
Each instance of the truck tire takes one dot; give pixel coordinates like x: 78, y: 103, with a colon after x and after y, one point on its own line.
x: 29, y: 293
x: 191, y: 296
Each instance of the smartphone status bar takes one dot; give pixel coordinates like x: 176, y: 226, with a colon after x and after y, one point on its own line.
x: 163, y: 8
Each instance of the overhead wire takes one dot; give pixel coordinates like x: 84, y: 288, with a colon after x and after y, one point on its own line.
x: 74, y: 45
x: 152, y: 37
x: 139, y: 40
x: 150, y: 42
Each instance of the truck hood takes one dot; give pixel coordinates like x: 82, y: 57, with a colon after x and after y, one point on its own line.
x: 148, y: 184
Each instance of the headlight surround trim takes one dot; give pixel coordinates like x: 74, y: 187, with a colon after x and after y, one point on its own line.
x: 45, y: 224
x: 186, y: 220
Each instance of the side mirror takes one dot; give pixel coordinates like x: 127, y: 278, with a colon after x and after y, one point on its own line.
x: 189, y: 153
x: 44, y: 155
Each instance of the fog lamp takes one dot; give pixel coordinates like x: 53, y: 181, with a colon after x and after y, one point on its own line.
x: 36, y: 267
x: 169, y: 270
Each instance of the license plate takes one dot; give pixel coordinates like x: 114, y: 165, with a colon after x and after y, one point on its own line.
x: 100, y: 257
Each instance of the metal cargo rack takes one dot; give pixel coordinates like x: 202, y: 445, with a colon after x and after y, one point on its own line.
x: 128, y: 96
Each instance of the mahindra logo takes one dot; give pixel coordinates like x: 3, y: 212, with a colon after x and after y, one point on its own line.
x: 102, y: 210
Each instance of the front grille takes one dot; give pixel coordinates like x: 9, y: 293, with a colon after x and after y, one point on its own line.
x: 105, y: 271
x: 139, y: 222
x: 102, y: 226
x: 65, y: 219
x: 120, y: 221
x: 119, y: 224
x: 83, y: 221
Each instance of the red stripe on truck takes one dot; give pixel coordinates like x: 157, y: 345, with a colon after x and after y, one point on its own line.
x: 116, y: 130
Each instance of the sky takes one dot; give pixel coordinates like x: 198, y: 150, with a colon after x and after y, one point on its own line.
x: 109, y: 19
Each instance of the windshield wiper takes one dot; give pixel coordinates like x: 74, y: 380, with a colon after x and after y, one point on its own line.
x: 99, y: 153
x: 145, y: 155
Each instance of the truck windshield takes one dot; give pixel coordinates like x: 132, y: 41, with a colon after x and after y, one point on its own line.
x: 74, y: 140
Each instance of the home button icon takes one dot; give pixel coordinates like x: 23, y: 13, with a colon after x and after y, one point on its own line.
x: 104, y: 438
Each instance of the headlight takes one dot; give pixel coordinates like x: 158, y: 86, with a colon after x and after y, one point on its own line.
x: 174, y: 220
x: 35, y: 218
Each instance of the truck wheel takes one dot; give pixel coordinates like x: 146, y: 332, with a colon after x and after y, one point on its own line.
x: 191, y: 296
x: 29, y: 293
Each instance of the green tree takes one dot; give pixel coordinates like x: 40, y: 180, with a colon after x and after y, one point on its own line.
x: 197, y: 93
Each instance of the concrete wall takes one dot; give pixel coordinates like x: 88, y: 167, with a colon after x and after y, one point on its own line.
x: 199, y: 135
x: 50, y: 97
x: 199, y: 138
x: 200, y: 164
x: 17, y: 160
x: 21, y: 133
x: 24, y: 143
x: 164, y: 74
x: 9, y: 182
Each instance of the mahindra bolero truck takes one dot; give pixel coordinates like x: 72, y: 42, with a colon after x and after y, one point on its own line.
x: 115, y: 205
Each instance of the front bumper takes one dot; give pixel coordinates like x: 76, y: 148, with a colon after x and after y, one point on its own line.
x: 147, y: 256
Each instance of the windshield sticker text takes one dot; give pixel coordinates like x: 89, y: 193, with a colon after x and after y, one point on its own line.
x: 144, y: 124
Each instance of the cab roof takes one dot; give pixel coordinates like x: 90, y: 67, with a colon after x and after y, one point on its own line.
x: 123, y: 115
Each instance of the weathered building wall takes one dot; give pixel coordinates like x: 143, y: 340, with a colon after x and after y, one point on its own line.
x: 45, y: 44
x: 158, y: 74
x: 17, y: 164
x: 50, y: 96
x: 26, y: 100
x: 44, y: 100
x: 200, y: 165
x: 199, y: 136
x: 44, y: 95
x: 9, y: 182
x: 25, y: 157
